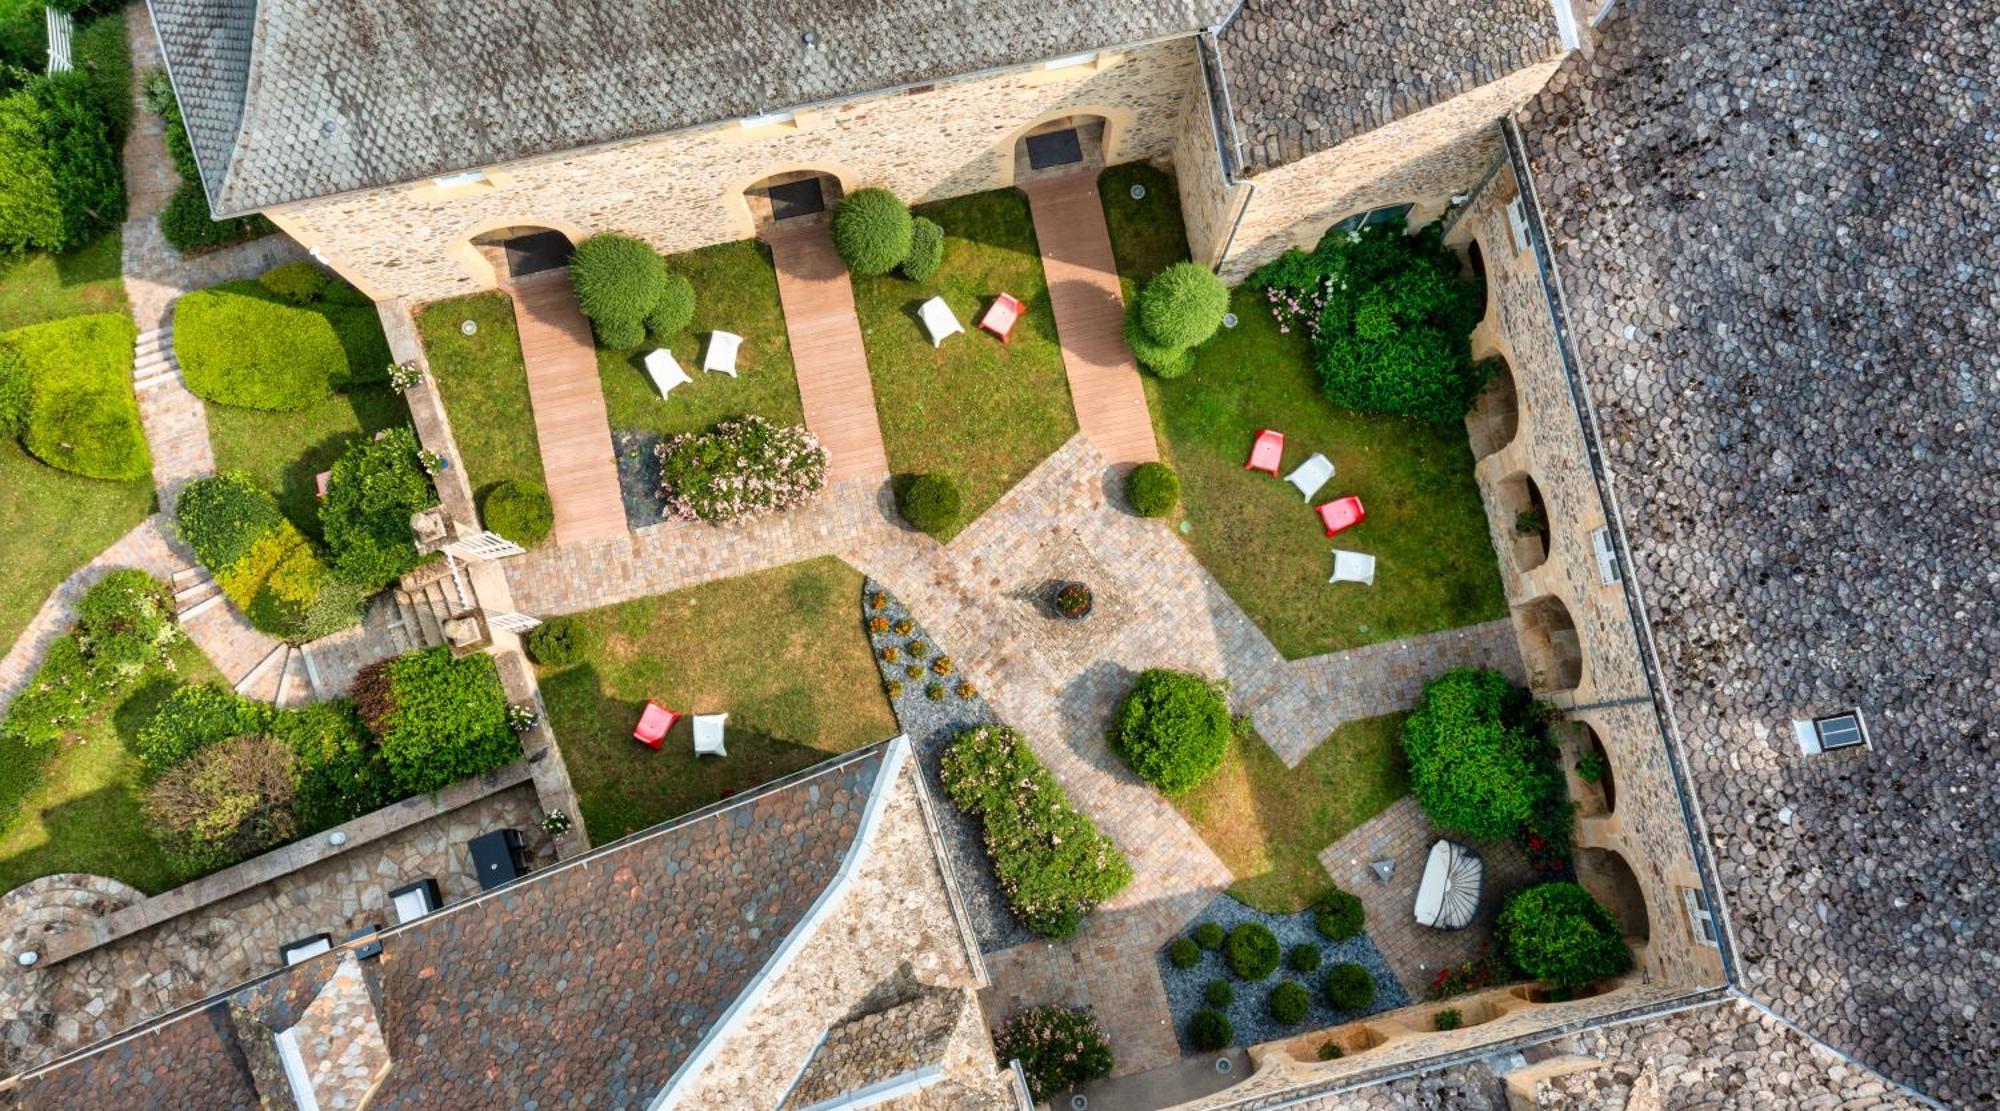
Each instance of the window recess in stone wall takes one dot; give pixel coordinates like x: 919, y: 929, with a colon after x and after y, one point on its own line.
x: 1701, y: 920
x: 1835, y: 731
x: 1373, y: 217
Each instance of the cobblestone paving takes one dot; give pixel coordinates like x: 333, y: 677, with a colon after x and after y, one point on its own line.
x: 52, y: 1010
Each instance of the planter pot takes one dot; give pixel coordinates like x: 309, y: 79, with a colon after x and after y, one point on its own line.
x: 1056, y: 597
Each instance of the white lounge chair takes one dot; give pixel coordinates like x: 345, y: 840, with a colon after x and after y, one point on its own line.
x: 939, y: 321
x: 1448, y: 897
x: 665, y: 372
x: 1311, y: 475
x: 1353, y: 567
x: 721, y: 356
x: 708, y: 734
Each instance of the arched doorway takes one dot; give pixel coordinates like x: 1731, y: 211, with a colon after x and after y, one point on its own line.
x: 1067, y: 144
x: 1527, y: 520
x: 1496, y: 415
x: 795, y: 198
x: 1604, y: 873
x: 522, y: 251
x: 1550, y: 646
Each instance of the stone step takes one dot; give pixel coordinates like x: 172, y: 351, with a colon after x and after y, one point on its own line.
x: 203, y: 606
x: 188, y: 574
x: 188, y: 588
x: 312, y: 672
x: 418, y: 620
x: 275, y: 656
x: 155, y: 380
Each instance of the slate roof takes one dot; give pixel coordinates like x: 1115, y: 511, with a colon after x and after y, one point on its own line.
x: 587, y: 985
x: 1781, y: 257
x: 289, y: 99
x: 1304, y: 76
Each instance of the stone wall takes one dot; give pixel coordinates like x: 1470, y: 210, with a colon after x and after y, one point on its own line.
x: 1551, y: 586
x: 685, y: 190
x: 1209, y: 203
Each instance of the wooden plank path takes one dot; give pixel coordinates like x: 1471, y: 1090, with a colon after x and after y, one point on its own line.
x: 1090, y: 317
x: 570, y: 419
x: 838, y: 397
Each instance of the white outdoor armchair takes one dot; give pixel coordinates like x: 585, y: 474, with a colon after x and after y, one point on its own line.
x: 721, y: 356
x: 665, y: 372
x: 1311, y: 475
x: 939, y: 321
x: 1353, y: 567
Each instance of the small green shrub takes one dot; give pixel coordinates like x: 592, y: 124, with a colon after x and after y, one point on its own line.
x: 520, y: 511
x: 1164, y: 360
x: 1208, y: 935
x: 1349, y: 987
x: 1053, y: 865
x: 1303, y: 957
x: 930, y: 502
x: 1447, y: 1019
x: 872, y: 231
x: 1183, y: 953
x: 1153, y: 489
x: 926, y: 249
x: 1560, y: 933
x: 1289, y: 1003
x: 1331, y: 1051
x: 374, y: 490
x: 192, y: 718
x: 1058, y: 1047
x: 1173, y: 729
x: 295, y: 283
x: 1209, y: 1031
x: 674, y: 311
x: 337, y: 770
x: 186, y: 224
x: 1590, y: 767
x: 1183, y: 305
x: 80, y: 414
x: 1338, y: 915
x: 619, y: 282
x: 262, y: 562
x: 221, y: 517
x: 1480, y: 758
x: 445, y: 719
x: 559, y: 642
x: 1251, y: 951
x: 1219, y: 993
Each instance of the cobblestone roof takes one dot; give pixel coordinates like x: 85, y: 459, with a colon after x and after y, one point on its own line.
x: 1305, y: 76
x: 1776, y: 231
x: 347, y: 96
x: 586, y: 986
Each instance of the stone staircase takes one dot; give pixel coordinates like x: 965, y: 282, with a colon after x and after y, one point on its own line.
x: 258, y: 666
x: 153, y: 362
x: 433, y: 605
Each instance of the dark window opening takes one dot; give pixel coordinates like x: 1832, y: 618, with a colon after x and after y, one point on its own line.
x: 796, y: 198
x: 534, y: 253
x: 1374, y: 216
x: 1054, y: 148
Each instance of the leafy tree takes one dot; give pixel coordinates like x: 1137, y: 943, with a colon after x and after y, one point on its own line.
x: 374, y: 490
x: 1480, y: 760
x: 1558, y: 932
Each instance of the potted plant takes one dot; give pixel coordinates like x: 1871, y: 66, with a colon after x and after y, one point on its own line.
x: 1072, y: 601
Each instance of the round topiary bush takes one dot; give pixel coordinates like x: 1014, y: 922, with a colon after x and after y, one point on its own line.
x: 1288, y: 1003
x: 1251, y: 951
x: 1219, y: 993
x: 1349, y: 987
x: 675, y: 309
x: 1209, y: 1031
x: 926, y: 249
x: 298, y: 283
x: 520, y: 511
x: 1172, y: 728
x: 1163, y: 359
x: 618, y: 280
x: 1183, y: 953
x: 1183, y: 305
x: 1303, y: 957
x: 872, y: 231
x: 930, y: 502
x: 1208, y: 935
x: 1153, y: 489
x: 1337, y: 915
x: 558, y: 642
x: 1560, y: 933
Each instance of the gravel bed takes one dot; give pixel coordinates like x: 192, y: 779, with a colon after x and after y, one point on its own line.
x: 1248, y: 1015
x: 639, y: 477
x: 931, y: 727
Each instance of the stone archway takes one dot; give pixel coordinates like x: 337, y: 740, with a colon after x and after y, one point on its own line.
x: 1550, y: 646
x: 1076, y: 143
x: 502, y: 252
x: 1496, y: 415
x: 1605, y: 874
x: 793, y: 198
x: 1525, y: 520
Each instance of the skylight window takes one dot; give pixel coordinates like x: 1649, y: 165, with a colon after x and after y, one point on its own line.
x: 770, y: 119
x: 1700, y: 918
x: 455, y: 181
x: 1826, y: 734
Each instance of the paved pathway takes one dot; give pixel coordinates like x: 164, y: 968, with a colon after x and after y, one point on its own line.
x: 838, y: 397
x: 1090, y: 317
x: 568, y: 399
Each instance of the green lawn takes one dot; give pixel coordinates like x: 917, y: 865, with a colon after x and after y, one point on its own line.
x: 84, y: 813
x: 284, y: 451
x: 485, y: 388
x: 983, y: 412
x: 51, y: 523
x: 1269, y: 823
x: 35, y: 288
x: 782, y: 652
x: 735, y: 290
x: 1426, y: 527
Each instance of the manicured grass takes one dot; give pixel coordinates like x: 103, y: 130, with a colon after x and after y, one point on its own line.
x: 39, y: 287
x: 485, y: 388
x: 1426, y: 527
x: 51, y: 523
x: 782, y: 652
x: 284, y: 452
x: 1269, y: 823
x: 83, y: 814
x: 735, y: 290
x: 983, y: 412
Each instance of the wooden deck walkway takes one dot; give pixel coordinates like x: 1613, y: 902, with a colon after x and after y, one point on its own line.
x: 570, y: 419
x: 1090, y: 317
x: 834, y: 387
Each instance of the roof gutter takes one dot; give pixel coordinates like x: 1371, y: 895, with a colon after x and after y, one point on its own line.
x: 1222, y: 113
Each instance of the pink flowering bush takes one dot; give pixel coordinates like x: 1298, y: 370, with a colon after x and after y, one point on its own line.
x: 1058, y: 1047
x: 742, y: 467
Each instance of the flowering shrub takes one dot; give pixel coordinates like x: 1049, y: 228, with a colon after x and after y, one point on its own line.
x: 522, y: 717
x: 895, y: 688
x: 1473, y: 975
x: 1073, y: 600
x: 1058, y: 1047
x: 879, y: 600
x: 965, y: 690
x: 1052, y: 863
x: 740, y: 468
x: 934, y: 692
x: 941, y: 666
x: 404, y: 377
x: 878, y: 625
x: 917, y: 649
x: 890, y: 654
x: 555, y: 823
x: 904, y: 627
x: 914, y: 671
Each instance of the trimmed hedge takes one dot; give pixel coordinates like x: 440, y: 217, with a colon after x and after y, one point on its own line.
x: 195, y: 716
x: 1058, y: 1047
x: 1560, y: 933
x: 1481, y: 762
x: 742, y: 467
x: 61, y: 177
x: 81, y: 414
x: 1349, y: 987
x: 1289, y: 1002
x: 520, y: 511
x: 263, y: 563
x: 186, y: 222
x: 1053, y: 865
x: 1173, y: 729
x: 619, y: 281
x: 558, y: 642
x: 674, y: 311
x: 1338, y: 915
x: 294, y: 283
x: 16, y: 392
x: 930, y: 502
x: 872, y: 231
x: 926, y: 249
x: 1209, y: 1030
x: 373, y: 491
x: 240, y: 344
x: 438, y: 719
x: 1153, y: 489
x: 1251, y: 951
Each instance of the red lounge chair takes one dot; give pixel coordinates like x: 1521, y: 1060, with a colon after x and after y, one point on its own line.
x: 1001, y: 316
x: 1266, y: 452
x: 1342, y: 513
x: 653, y: 725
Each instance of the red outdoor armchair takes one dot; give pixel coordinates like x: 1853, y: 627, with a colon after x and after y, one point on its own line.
x: 1342, y: 513
x: 653, y: 725
x: 1266, y: 453
x: 1002, y: 315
